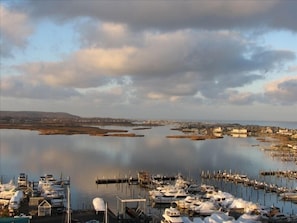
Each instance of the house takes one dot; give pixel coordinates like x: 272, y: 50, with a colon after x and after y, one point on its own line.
x: 217, y: 130
x: 239, y: 131
x: 44, y: 208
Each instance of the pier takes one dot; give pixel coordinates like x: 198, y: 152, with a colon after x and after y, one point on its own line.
x: 281, y: 173
x: 256, y: 184
x: 143, y: 178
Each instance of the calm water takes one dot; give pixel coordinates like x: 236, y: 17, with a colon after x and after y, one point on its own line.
x: 85, y: 158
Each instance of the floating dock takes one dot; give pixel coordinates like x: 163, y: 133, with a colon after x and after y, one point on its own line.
x: 281, y: 173
x: 143, y: 178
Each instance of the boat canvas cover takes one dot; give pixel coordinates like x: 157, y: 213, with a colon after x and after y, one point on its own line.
x: 98, y: 204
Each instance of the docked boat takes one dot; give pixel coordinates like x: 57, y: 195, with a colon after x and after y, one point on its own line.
x: 193, y: 188
x: 22, y: 180
x: 171, y: 215
x: 207, y: 208
x: 280, y: 218
x: 188, y: 202
x: 169, y: 197
x: 16, y: 200
x: 291, y: 196
x: 7, y: 190
x: 7, y: 186
x: 48, y: 182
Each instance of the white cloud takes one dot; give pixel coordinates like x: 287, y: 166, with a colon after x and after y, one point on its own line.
x: 166, y: 65
x: 148, y: 56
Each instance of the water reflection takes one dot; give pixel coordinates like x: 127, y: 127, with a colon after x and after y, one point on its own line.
x: 85, y: 158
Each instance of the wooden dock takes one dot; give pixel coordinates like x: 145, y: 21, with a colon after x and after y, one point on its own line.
x: 281, y: 173
x: 135, y: 180
x: 117, y: 180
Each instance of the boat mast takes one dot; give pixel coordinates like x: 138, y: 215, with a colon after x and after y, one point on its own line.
x: 68, y: 205
x: 105, y: 214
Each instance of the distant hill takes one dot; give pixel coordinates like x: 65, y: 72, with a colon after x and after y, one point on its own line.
x: 36, y: 114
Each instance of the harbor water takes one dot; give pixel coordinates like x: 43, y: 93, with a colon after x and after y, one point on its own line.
x: 86, y: 158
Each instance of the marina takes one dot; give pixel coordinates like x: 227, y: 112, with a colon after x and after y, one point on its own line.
x: 180, y: 198
x: 286, y: 193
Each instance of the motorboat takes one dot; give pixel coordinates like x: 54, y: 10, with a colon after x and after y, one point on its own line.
x: 48, y: 182
x: 171, y: 215
x: 207, y: 208
x: 187, y: 202
x: 7, y: 191
x: 193, y: 188
x: 159, y: 191
x: 7, y: 186
x: 169, y: 197
x: 181, y: 183
x: 15, y: 200
x: 22, y: 180
x: 280, y: 217
x: 292, y: 196
x: 53, y: 193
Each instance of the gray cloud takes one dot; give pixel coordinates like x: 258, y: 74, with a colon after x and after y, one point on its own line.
x: 154, y: 54
x: 15, y: 28
x: 166, y: 15
x: 282, y: 91
x: 20, y: 88
x: 164, y: 66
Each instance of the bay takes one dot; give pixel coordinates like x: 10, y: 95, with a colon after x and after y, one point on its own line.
x: 85, y: 158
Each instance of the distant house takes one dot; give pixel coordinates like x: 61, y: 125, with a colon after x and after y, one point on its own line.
x: 217, y: 130
x: 239, y: 131
x: 143, y: 177
x: 44, y: 208
x: 268, y: 130
x: 284, y: 132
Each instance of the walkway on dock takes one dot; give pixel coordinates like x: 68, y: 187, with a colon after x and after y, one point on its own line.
x: 256, y: 184
x: 134, y: 180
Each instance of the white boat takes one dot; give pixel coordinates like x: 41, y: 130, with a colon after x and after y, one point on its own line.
x: 207, y: 208
x: 53, y: 193
x: 16, y: 200
x: 159, y: 191
x: 193, y: 188
x: 169, y: 197
x: 221, y: 217
x: 8, y: 193
x: 292, y: 196
x: 22, y: 180
x: 171, y: 215
x: 180, y: 184
x: 48, y: 182
x: 195, y: 204
x: 279, y: 218
x: 7, y: 186
x: 187, y: 202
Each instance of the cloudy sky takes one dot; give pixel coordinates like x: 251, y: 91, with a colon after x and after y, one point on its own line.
x: 152, y: 59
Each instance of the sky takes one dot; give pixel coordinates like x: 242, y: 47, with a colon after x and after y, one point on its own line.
x: 157, y: 59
